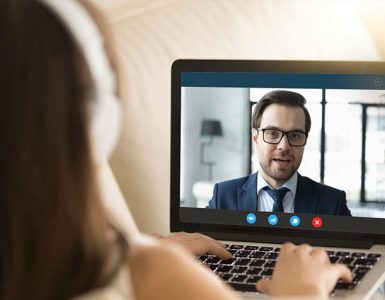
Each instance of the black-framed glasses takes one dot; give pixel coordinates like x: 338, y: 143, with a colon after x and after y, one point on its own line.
x: 296, y: 138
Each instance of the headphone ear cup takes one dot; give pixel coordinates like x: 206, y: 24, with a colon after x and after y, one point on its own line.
x: 105, y: 127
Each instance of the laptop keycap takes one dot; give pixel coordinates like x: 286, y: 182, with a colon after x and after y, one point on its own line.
x: 212, y: 260
x: 362, y: 270
x: 342, y: 253
x: 269, y: 264
x: 267, y: 272
x: 257, y: 263
x: 239, y: 269
x: 346, y: 260
x: 239, y: 278
x: 358, y: 254
x: 242, y: 261
x: 236, y: 247
x: 254, y: 270
x: 365, y: 261
x: 266, y: 249
x: 229, y: 261
x: 253, y: 279
x: 257, y: 254
x: 334, y: 259
x: 271, y: 255
x: 242, y: 253
x: 358, y: 277
x: 232, y: 251
x: 251, y: 248
x: 224, y: 269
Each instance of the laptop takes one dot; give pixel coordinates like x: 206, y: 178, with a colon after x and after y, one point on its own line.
x: 211, y: 142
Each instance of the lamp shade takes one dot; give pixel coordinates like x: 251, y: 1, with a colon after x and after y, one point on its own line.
x: 211, y: 128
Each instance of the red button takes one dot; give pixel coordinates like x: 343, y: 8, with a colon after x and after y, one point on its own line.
x: 317, y: 222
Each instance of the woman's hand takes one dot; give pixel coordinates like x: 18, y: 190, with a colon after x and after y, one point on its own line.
x: 197, y: 243
x: 303, y: 271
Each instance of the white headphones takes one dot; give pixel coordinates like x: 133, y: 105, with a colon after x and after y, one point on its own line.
x: 105, y: 110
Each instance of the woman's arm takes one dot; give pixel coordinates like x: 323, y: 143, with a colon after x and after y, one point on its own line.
x: 167, y: 271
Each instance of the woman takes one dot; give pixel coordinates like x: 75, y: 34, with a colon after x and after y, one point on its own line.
x: 59, y: 123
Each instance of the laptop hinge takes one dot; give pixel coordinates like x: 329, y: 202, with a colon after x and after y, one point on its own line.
x: 323, y: 242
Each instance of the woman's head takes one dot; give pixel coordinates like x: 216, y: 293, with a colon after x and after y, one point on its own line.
x: 51, y: 219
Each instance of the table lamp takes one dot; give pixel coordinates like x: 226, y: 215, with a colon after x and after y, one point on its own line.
x: 210, y: 128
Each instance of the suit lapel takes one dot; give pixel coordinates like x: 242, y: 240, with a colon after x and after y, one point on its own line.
x: 247, y: 194
x: 305, y: 199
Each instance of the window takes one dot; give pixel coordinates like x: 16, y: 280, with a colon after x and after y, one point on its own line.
x: 346, y: 144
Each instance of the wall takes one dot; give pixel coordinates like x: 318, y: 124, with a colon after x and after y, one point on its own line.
x: 230, y: 152
x: 152, y: 34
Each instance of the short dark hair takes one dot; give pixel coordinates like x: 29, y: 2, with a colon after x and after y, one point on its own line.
x: 283, y: 98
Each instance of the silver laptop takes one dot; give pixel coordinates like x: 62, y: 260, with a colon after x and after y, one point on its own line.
x: 212, y: 152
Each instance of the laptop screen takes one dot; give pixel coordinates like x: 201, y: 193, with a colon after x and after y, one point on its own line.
x: 235, y: 169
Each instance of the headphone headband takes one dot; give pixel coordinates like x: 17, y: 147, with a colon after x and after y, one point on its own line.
x: 105, y: 112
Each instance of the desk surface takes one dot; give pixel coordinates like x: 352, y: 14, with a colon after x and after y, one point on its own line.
x: 380, y: 293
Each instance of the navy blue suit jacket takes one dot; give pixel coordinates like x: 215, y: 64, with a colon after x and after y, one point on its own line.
x: 311, y: 197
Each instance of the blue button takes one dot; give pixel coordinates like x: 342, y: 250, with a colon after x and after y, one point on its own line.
x: 272, y: 219
x: 295, y: 221
x: 251, y: 218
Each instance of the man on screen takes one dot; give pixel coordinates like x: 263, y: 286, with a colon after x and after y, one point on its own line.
x: 280, y: 128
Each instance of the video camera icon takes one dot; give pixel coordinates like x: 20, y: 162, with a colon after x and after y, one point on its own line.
x: 251, y: 218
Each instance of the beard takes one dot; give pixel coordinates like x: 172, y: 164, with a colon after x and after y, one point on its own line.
x: 277, y: 174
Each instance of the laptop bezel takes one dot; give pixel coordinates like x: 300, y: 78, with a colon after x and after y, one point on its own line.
x: 249, y: 233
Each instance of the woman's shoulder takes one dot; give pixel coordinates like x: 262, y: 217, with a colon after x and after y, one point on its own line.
x: 166, y: 270
x: 120, y: 288
x: 152, y: 258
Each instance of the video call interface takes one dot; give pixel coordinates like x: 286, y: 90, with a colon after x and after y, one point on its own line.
x: 220, y: 163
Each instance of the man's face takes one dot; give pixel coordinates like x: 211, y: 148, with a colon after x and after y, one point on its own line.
x: 278, y: 162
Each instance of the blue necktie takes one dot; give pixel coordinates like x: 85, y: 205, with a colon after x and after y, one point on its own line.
x: 277, y: 196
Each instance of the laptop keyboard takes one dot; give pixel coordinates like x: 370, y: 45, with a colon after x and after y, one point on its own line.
x: 251, y: 263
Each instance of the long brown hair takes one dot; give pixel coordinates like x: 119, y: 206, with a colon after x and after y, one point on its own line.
x: 53, y: 230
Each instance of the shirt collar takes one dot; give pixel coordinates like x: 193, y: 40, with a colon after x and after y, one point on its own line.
x: 291, y: 184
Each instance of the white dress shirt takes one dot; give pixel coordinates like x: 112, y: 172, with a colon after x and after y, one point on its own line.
x: 265, y: 202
